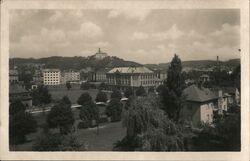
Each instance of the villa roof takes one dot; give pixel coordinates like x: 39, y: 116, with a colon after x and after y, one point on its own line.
x: 198, y: 94
x: 131, y: 70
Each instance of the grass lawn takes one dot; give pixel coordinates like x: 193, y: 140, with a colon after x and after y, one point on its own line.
x: 108, y: 134
x: 74, y: 93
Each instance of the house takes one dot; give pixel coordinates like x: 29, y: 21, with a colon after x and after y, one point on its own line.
x: 13, y: 76
x: 160, y: 76
x: 51, y: 77
x: 17, y: 92
x: 204, y: 78
x: 200, y: 104
x: 124, y: 77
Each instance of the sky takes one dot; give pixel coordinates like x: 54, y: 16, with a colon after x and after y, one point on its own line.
x: 144, y: 36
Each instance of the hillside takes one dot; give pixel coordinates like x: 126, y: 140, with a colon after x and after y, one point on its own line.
x: 74, y: 62
x: 197, y: 64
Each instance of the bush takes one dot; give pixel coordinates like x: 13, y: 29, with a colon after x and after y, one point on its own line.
x: 85, y: 97
x: 114, y: 110
x: 116, y: 94
x: 101, y: 97
x: 128, y: 92
x: 140, y: 91
x: 89, y: 112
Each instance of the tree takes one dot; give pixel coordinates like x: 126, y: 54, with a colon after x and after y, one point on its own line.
x: 148, y: 129
x: 65, y: 100
x: 61, y: 116
x: 41, y: 96
x: 57, y: 142
x: 116, y: 94
x: 16, y: 106
x: 101, y: 97
x: 114, y: 109
x: 85, y: 97
x: 21, y: 123
x: 89, y: 111
x: 68, y: 85
x: 128, y: 92
x: 171, y: 93
x: 140, y: 91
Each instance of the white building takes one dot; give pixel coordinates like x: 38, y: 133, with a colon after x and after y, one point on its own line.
x: 124, y: 77
x: 51, y: 76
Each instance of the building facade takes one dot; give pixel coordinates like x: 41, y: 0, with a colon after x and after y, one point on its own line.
x: 124, y: 77
x: 199, y: 106
x: 70, y: 76
x: 13, y: 76
x: 51, y: 77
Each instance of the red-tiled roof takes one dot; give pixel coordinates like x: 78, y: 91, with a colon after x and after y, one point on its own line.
x: 198, y: 94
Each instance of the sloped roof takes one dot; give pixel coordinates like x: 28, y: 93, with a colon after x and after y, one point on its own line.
x: 196, y: 94
x: 131, y: 70
x: 16, y: 89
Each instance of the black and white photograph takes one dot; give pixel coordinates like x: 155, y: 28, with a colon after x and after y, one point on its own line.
x: 125, y: 80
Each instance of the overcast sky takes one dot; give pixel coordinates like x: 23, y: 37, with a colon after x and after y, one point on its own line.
x: 144, y: 36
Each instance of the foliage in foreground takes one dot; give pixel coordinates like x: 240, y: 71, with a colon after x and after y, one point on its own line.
x: 21, y: 123
x: 57, y: 142
x: 148, y: 128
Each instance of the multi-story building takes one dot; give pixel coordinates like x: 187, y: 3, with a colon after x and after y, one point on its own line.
x: 13, y: 76
x: 124, y: 77
x: 51, y: 76
x: 160, y: 76
x: 70, y: 76
x: 100, y: 75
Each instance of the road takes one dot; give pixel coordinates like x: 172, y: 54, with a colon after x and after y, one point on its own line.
x: 49, y: 108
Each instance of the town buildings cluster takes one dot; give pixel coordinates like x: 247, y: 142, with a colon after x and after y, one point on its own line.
x: 200, y: 104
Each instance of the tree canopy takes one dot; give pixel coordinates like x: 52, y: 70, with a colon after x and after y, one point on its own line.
x: 114, y: 109
x: 41, y: 95
x: 171, y: 92
x: 61, y: 116
x: 85, y: 97
x: 116, y: 94
x: 140, y: 91
x: 101, y: 97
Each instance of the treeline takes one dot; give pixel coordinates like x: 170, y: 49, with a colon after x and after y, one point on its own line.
x: 76, y: 62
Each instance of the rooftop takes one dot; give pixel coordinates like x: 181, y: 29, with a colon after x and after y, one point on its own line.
x: 130, y: 70
x: 198, y: 94
x: 51, y: 70
x: 16, y: 89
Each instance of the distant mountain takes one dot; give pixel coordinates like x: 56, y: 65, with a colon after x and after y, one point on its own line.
x: 75, y: 63
x: 196, y: 64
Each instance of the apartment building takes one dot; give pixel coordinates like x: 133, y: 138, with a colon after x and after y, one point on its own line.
x: 51, y: 76
x: 70, y: 76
